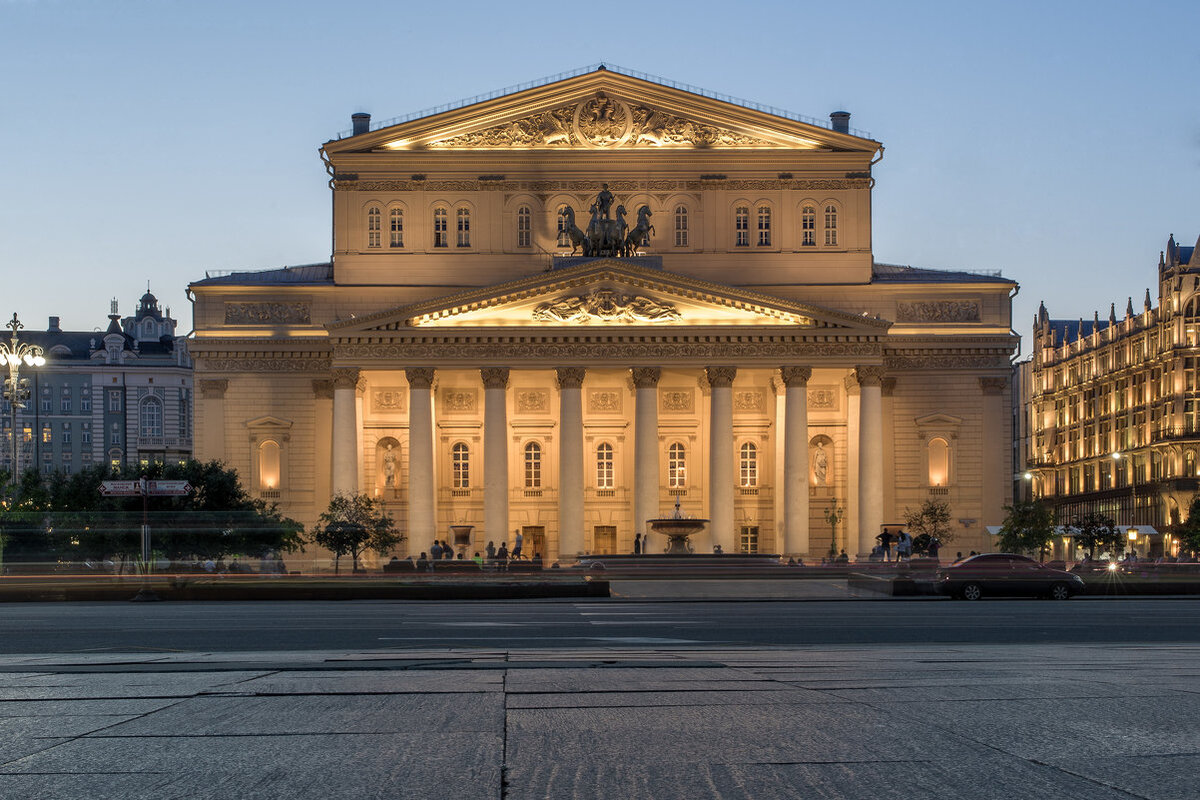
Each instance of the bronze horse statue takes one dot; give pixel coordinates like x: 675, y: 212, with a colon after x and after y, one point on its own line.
x: 577, y: 237
x: 640, y: 232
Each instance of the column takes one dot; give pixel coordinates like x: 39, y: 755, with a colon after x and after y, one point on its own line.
x: 345, y: 432
x: 495, y: 454
x: 995, y: 456
x: 888, y: 390
x: 795, y: 460
x: 720, y: 457
x: 570, y: 463
x: 870, y: 455
x: 848, y: 530
x: 422, y: 521
x: 322, y: 441
x: 645, y: 449
x: 210, y: 425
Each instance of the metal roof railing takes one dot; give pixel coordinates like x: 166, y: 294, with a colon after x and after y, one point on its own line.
x: 631, y: 73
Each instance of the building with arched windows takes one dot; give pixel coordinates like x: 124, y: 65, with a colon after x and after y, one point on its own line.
x: 1112, y: 409
x: 563, y: 308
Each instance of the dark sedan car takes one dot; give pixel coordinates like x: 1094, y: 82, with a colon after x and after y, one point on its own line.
x: 1005, y: 574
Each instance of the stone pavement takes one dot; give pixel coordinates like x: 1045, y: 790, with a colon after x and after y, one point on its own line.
x: 977, y: 721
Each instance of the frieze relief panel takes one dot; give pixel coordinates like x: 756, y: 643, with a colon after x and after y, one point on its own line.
x: 607, y: 307
x: 458, y: 401
x: 938, y: 311
x: 605, y: 401
x: 824, y: 398
x: 268, y: 313
x: 533, y: 401
x: 389, y: 399
x: 748, y: 401
x: 594, y: 351
x: 676, y: 401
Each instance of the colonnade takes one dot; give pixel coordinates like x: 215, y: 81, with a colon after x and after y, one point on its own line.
x: 793, y: 533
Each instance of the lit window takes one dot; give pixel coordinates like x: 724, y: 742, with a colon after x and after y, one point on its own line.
x: 831, y: 225
x: 939, y: 462
x: 462, y: 466
x: 440, y: 221
x: 533, y: 466
x: 676, y: 466
x: 374, y: 222
x: 741, y: 226
x: 564, y: 227
x: 748, y: 464
x: 808, y: 226
x: 268, y: 465
x: 681, y: 226
x: 464, y: 227
x: 764, y: 226
x: 524, y: 227
x: 47, y: 434
x: 604, y: 466
x: 396, y: 221
x: 150, y: 419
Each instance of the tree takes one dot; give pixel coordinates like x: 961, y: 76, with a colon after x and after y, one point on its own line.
x: 352, y: 525
x: 1094, y: 531
x: 1028, y: 527
x: 931, y: 520
x: 1189, y: 530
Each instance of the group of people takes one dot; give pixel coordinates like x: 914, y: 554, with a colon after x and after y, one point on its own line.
x: 904, y: 547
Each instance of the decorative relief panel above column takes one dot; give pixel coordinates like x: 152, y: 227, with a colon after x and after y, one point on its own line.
x: 605, y: 401
x: 458, y: 401
x: 748, y: 400
x: 938, y: 311
x: 389, y: 399
x: 677, y: 401
x: 824, y: 398
x: 533, y: 401
x: 268, y: 314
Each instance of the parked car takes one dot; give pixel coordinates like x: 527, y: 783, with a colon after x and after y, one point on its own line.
x: 1005, y: 574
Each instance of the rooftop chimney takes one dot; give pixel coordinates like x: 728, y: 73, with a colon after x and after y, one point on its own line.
x: 54, y: 325
x: 840, y: 121
x: 361, y: 122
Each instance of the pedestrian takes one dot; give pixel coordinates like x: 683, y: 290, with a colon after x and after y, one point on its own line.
x: 934, y: 546
x: 447, y: 551
x: 502, y: 556
x: 885, y: 541
x: 637, y: 544
x: 843, y: 558
x: 904, y: 547
x: 435, y: 551
x: 518, y: 542
x: 422, y: 563
x: 478, y: 559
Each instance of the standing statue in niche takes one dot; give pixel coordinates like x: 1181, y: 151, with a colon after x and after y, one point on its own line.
x: 820, y: 461
x: 389, y: 467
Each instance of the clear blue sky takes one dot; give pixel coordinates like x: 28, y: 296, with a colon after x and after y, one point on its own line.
x: 1056, y: 141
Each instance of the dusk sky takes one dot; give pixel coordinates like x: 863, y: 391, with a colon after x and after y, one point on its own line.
x: 1058, y: 142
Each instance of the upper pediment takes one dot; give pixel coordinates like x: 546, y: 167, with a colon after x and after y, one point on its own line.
x: 602, y: 110
x: 609, y: 293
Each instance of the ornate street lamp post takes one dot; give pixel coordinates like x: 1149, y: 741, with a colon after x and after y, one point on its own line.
x: 16, y: 389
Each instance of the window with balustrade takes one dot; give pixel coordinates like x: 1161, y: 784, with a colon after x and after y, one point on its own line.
x: 460, y: 456
x: 676, y: 466
x: 533, y: 466
x: 604, y: 466
x: 748, y: 465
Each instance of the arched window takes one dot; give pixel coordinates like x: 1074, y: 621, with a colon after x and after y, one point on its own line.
x: 741, y: 226
x: 268, y: 465
x: 604, y: 466
x: 524, y: 227
x: 461, y: 458
x: 764, y: 226
x: 441, y: 236
x: 681, y: 226
x: 464, y: 227
x: 676, y: 466
x: 808, y: 226
x: 148, y: 329
x: 564, y: 226
x: 374, y: 224
x: 939, y: 462
x: 150, y: 417
x: 748, y: 465
x: 831, y: 226
x: 533, y: 466
x: 396, y: 219
x: 1189, y: 464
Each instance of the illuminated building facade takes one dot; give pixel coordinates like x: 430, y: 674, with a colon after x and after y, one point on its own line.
x: 561, y: 309
x: 1113, y: 407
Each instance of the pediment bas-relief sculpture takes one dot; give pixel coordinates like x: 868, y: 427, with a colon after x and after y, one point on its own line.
x: 602, y: 121
x: 605, y: 307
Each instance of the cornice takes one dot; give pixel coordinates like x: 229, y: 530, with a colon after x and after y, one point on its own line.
x: 536, y: 187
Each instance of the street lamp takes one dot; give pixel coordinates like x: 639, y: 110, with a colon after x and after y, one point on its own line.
x: 16, y: 388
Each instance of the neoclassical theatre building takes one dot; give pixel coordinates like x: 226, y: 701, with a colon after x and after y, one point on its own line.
x: 562, y: 309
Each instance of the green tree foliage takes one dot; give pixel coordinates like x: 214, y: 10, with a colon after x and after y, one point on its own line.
x: 1189, y: 531
x: 1095, y: 531
x: 931, y: 520
x: 1028, y: 527
x: 62, y: 517
x: 352, y: 525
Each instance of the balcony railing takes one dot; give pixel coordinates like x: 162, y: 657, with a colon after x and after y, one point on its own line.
x: 1170, y: 432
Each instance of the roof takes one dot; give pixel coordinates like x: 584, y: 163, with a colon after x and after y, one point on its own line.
x: 304, y: 274
x: 1068, y: 330
x: 82, y: 343
x: 1185, y: 254
x: 897, y: 273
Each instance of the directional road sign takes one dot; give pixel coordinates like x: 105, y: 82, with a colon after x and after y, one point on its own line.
x: 159, y: 488
x: 120, y: 488
x: 151, y: 488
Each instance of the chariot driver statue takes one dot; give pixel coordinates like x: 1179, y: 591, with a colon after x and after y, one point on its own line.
x: 604, y: 201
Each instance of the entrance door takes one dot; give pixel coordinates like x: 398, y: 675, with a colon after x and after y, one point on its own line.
x: 535, y: 541
x: 604, y: 539
x: 749, y: 539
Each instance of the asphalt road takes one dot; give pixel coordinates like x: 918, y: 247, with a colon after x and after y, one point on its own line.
x: 385, y: 625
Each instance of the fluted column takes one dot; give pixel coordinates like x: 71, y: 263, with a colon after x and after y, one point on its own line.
x: 345, y: 432
x: 720, y: 456
x: 422, y: 520
x: 794, y: 525
x: 645, y: 447
x: 495, y: 454
x: 870, y: 456
x: 570, y: 462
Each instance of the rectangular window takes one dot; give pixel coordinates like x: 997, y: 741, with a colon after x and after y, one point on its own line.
x: 115, y: 438
x: 85, y: 436
x: 524, y: 227
x: 114, y: 402
x: 681, y: 226
x: 85, y: 404
x: 808, y: 227
x: 396, y: 219
x: 374, y: 222
x: 440, y: 228
x: 66, y: 433
x: 463, y: 217
x: 831, y: 226
x: 749, y: 539
x: 47, y: 434
x: 65, y: 405
x: 45, y: 405
x: 741, y: 226
x: 764, y: 226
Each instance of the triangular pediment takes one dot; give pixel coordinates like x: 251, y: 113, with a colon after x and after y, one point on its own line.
x: 610, y: 293
x: 603, y: 110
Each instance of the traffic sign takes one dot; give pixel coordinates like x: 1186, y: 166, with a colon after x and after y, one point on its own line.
x: 120, y: 488
x: 175, y: 488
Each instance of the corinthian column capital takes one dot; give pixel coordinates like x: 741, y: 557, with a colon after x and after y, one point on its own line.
x: 494, y: 377
x: 345, y: 377
x: 570, y: 377
x: 646, y: 377
x: 795, y: 376
x: 419, y: 377
x: 720, y: 376
x: 869, y: 374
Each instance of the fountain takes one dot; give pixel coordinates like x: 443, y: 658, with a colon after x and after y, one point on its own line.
x: 677, y: 528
